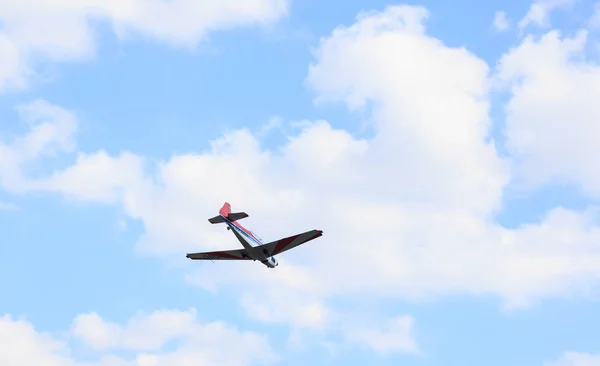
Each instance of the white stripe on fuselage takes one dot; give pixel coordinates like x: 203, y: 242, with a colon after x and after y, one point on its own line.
x: 243, y: 234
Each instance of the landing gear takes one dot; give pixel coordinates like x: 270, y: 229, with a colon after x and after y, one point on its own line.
x: 228, y: 228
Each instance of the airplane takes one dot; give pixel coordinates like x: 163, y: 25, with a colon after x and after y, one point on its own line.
x: 254, y: 249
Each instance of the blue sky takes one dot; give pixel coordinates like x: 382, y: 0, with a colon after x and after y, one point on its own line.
x: 368, y: 120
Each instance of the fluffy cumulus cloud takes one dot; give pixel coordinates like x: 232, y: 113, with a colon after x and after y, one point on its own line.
x: 144, y: 336
x: 551, y: 117
x: 21, y: 344
x: 142, y: 332
x: 35, y: 30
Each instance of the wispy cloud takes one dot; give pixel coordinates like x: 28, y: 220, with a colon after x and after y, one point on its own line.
x: 501, y: 21
x: 7, y: 206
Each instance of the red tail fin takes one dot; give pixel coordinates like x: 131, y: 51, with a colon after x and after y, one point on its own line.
x: 225, y: 210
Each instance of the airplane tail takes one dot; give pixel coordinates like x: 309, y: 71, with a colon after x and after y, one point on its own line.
x: 225, y: 211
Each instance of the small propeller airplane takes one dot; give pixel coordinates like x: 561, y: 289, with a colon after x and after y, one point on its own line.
x: 265, y: 253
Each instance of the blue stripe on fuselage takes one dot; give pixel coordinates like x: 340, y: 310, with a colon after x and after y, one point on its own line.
x: 241, y: 231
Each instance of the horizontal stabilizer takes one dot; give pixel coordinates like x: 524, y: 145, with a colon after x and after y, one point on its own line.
x: 216, y: 220
x: 234, y: 216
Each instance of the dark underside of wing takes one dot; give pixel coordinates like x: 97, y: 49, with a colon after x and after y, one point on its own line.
x: 237, y: 254
x: 272, y: 248
x: 282, y: 245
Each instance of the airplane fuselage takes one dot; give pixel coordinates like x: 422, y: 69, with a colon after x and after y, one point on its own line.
x: 250, y: 242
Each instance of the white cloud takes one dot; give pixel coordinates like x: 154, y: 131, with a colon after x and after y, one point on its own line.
x: 286, y: 307
x: 594, y: 21
x: 51, y: 131
x: 196, y: 343
x: 64, y: 30
x: 21, y: 344
x: 551, y: 118
x: 274, y: 123
x: 396, y: 335
x: 12, y: 69
x: 500, y: 21
x: 430, y: 106
x: 95, y: 332
x: 7, y: 206
x: 142, y: 332
x: 186, y: 22
x: 540, y: 10
x: 576, y: 359
x: 99, y: 177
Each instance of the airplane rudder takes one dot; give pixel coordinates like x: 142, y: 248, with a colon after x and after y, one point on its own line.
x: 225, y: 210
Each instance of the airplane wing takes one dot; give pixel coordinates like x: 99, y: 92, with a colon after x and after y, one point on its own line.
x: 282, y: 245
x: 236, y: 254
